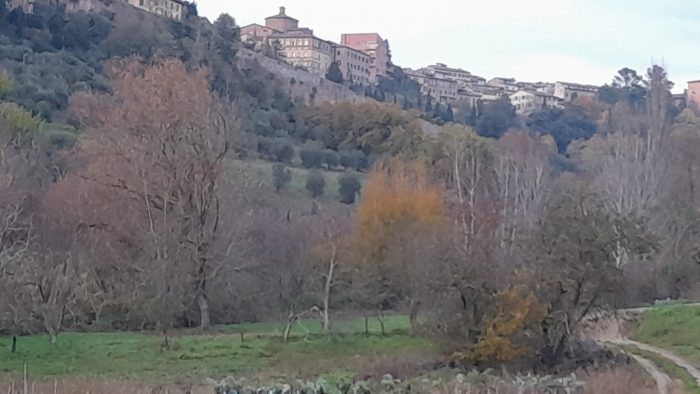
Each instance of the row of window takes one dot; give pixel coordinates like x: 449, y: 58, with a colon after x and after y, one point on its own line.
x: 166, y: 3
x: 355, y: 56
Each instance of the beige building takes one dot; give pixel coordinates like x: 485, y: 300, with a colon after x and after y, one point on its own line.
x: 376, y: 47
x: 440, y: 70
x: 526, y: 101
x: 299, y: 47
x: 509, y: 85
x: 174, y: 9
x: 354, y: 64
x: 256, y: 33
x: 441, y: 90
x: 569, y: 91
x: 26, y: 5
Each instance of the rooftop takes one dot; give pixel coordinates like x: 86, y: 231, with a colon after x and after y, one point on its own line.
x: 578, y: 85
x: 282, y: 15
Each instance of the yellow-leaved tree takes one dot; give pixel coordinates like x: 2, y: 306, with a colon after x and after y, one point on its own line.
x: 395, y: 235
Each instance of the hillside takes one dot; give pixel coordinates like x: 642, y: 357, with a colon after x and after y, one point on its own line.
x: 174, y: 206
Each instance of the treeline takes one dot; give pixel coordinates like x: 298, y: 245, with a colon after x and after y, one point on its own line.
x: 52, y: 54
x: 498, y: 240
x: 484, y: 243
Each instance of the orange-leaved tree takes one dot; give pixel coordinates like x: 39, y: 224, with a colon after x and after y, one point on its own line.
x: 396, y: 223
x: 503, y: 337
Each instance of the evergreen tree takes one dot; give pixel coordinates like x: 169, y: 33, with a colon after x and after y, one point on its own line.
x: 380, y: 96
x: 406, y: 105
x: 448, y: 115
x: 348, y: 188
x: 471, y: 118
x: 315, y: 184
x: 437, y: 111
x: 334, y: 74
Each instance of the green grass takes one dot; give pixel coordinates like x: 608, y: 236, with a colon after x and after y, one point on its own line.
x: 676, y: 328
x: 669, y: 367
x: 138, y: 356
x: 257, y: 170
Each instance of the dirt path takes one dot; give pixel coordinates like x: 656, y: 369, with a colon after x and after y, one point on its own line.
x: 679, y: 361
x: 663, y: 381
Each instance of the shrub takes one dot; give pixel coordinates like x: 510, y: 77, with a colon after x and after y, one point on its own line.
x: 315, y: 184
x: 311, y: 157
x: 331, y: 158
x: 281, y: 176
x: 354, y: 159
x: 282, y: 151
x: 348, y: 187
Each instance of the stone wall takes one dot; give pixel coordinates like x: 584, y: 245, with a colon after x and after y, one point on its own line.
x: 300, y: 84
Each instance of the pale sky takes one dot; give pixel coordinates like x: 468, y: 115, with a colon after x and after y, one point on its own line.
x: 584, y: 41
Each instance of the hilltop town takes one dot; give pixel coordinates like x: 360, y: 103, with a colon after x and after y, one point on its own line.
x: 365, y: 58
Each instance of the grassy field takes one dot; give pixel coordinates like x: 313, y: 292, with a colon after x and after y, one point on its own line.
x: 192, y: 357
x: 676, y: 328
x: 260, y: 172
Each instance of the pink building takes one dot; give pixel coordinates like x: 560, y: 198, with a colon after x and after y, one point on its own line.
x: 375, y: 46
x: 693, y: 96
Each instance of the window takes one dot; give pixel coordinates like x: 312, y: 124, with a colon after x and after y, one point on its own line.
x: 141, y: 3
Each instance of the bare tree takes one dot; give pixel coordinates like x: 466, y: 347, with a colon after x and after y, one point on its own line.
x: 524, y: 178
x: 163, y: 145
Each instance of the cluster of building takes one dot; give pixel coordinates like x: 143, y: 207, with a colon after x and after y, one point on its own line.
x: 446, y: 84
x: 174, y: 9
x: 362, y: 58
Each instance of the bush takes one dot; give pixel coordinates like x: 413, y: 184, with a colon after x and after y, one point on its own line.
x: 331, y: 158
x: 354, y: 159
x: 282, y: 151
x: 281, y: 176
x: 315, y: 184
x: 311, y: 156
x: 348, y: 187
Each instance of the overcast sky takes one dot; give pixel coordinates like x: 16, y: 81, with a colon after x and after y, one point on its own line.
x: 583, y: 41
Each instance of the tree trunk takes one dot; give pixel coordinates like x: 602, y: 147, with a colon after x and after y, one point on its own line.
x: 166, y: 343
x: 413, y: 315
x: 290, y: 322
x: 380, y: 317
x: 205, y: 319
x: 327, y: 293
x: 366, y: 325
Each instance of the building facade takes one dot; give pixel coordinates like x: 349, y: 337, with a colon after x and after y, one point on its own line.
x: 173, y: 9
x: 256, y: 33
x: 440, y: 89
x: 692, y: 96
x: 526, y: 101
x: 26, y: 5
x: 508, y: 85
x: 376, y: 47
x: 354, y: 64
x: 568, y: 91
x: 299, y: 47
